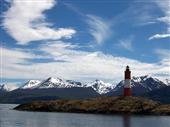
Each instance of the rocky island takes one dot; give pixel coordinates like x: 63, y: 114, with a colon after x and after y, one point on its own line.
x: 100, y: 105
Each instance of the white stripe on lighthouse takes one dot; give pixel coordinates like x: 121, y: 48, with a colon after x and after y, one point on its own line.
x: 127, y: 83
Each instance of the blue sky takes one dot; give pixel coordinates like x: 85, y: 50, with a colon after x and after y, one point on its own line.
x: 83, y: 40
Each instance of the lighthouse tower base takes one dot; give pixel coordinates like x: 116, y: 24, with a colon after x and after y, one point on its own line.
x: 127, y: 92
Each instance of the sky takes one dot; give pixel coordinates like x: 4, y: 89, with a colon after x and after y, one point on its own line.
x: 83, y: 40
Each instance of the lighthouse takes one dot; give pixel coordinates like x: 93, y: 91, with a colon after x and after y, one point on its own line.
x: 127, y: 86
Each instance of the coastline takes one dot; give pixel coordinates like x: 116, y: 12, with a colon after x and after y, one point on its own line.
x: 101, y: 105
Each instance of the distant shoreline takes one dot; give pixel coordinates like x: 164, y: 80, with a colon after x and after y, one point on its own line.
x: 101, y: 105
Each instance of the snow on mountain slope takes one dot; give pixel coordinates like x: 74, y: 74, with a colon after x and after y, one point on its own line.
x: 4, y: 88
x: 30, y: 84
x: 167, y: 82
x: 100, y: 87
x: 143, y: 84
x: 52, y: 83
x: 148, y: 82
x: 74, y: 83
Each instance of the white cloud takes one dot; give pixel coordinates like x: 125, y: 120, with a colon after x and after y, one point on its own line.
x: 159, y: 36
x: 13, y: 56
x: 76, y: 65
x: 25, y: 22
x: 126, y: 44
x: 100, y: 29
x: 165, y: 19
x: 163, y: 53
x: 165, y: 7
x: 73, y: 8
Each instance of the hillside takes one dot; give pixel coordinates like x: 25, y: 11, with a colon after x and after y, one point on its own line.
x: 28, y: 95
x: 104, y: 105
x: 162, y: 95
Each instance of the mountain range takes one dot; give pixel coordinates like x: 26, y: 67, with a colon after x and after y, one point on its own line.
x: 56, y: 88
x: 139, y: 85
x: 98, y: 85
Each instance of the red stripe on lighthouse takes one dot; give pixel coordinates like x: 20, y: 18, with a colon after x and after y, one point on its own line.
x: 127, y: 92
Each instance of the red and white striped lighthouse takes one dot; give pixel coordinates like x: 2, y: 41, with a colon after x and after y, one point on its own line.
x: 127, y: 82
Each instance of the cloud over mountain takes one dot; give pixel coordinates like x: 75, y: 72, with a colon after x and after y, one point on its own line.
x: 72, y: 63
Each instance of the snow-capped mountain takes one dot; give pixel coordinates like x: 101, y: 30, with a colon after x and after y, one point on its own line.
x: 51, y: 82
x: 30, y: 84
x: 74, y: 83
x: 100, y: 87
x: 148, y: 82
x: 4, y: 88
x: 57, y: 83
x: 167, y: 82
x: 141, y: 85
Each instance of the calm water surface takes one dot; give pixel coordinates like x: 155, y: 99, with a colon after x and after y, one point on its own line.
x: 12, y: 118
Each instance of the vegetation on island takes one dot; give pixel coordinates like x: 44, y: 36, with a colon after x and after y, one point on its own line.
x: 101, y: 105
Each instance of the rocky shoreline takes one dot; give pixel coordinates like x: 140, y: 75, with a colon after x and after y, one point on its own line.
x: 101, y: 105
